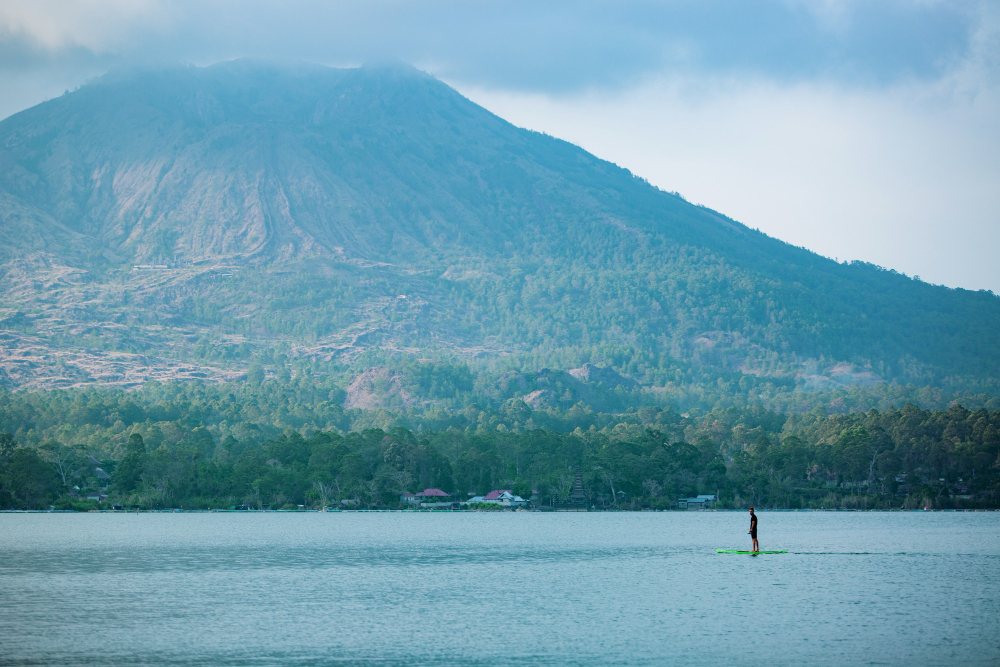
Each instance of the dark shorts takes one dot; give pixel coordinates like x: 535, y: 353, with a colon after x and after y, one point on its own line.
x: 753, y: 534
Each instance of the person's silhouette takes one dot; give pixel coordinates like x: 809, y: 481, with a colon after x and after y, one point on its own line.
x: 753, y: 530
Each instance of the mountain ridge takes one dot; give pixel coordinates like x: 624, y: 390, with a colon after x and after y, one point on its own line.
x: 208, y: 116
x: 257, y: 206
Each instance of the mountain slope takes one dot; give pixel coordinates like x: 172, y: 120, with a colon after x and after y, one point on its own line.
x: 326, y: 212
x: 247, y: 159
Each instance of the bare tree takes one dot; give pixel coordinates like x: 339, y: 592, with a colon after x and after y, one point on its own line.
x: 156, y: 489
x: 871, y: 470
x: 565, y: 483
x: 403, y: 478
x: 609, y: 478
x: 371, y: 486
x: 255, y: 498
x: 324, y: 491
x: 67, y: 460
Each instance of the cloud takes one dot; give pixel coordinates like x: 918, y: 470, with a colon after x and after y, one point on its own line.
x: 557, y: 47
x: 524, y: 44
x: 99, y: 26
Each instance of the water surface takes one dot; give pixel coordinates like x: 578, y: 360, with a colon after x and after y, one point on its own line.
x: 499, y: 589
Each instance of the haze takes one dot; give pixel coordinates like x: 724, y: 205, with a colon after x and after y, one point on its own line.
x: 859, y: 130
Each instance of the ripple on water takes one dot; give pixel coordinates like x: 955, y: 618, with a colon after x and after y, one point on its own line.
x: 508, y: 588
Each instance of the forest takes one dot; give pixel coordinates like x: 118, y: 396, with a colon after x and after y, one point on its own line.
x: 192, y: 451
x: 455, y: 302
x: 435, y: 230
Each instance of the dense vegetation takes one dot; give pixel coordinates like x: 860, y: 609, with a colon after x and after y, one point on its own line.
x: 195, y: 450
x: 323, y: 213
x: 385, y: 287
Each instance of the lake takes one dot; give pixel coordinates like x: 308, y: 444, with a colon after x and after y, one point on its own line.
x: 504, y: 588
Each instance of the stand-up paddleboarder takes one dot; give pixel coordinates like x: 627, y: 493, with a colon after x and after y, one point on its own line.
x: 753, y: 530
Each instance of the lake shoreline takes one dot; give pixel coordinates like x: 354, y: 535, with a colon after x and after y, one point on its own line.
x: 440, y: 511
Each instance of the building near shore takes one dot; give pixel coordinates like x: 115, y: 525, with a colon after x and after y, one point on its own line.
x: 433, y: 496
x: 701, y: 502
x: 502, y: 497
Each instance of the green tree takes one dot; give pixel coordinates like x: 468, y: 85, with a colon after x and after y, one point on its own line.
x: 129, y: 472
x: 27, y: 479
x: 255, y: 374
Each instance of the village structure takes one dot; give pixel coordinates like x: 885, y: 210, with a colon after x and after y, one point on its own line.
x: 575, y: 501
x: 436, y: 498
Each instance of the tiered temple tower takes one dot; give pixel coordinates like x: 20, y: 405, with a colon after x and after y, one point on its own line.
x: 577, y: 498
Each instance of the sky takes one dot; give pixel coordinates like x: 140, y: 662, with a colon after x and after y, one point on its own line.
x: 860, y: 129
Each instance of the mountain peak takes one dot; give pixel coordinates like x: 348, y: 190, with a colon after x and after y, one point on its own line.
x: 393, y: 66
x: 376, y: 206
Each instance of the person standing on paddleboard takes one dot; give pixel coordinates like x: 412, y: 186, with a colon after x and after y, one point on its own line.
x: 753, y: 530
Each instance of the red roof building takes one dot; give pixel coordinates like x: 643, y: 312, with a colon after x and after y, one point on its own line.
x: 433, y: 493
x: 503, y: 497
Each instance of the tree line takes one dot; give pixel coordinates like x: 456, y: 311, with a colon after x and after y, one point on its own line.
x: 899, y: 458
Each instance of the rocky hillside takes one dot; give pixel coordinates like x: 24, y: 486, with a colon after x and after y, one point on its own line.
x: 251, y: 161
x: 184, y: 222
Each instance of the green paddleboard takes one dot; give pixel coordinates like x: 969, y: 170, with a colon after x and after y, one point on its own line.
x: 730, y: 551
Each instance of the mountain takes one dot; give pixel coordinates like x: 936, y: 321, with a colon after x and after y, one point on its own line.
x: 188, y: 222
x: 248, y: 160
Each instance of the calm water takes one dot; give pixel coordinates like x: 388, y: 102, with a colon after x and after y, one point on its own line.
x: 498, y: 589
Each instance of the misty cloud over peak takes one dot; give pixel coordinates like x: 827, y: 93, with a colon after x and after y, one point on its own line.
x: 516, y: 45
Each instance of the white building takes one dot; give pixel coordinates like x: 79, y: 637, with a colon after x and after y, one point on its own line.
x: 503, y: 497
